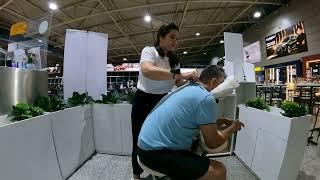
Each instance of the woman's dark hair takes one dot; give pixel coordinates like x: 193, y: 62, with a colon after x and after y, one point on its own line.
x: 211, y: 71
x: 162, y: 32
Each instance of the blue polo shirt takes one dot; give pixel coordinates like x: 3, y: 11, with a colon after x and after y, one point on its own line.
x: 175, y: 120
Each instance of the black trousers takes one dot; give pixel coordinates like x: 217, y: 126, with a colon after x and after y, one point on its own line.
x: 142, y: 105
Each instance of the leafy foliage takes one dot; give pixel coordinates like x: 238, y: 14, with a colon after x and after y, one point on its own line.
x: 79, y: 99
x: 258, y: 103
x: 24, y: 111
x: 110, y: 98
x: 293, y: 109
x: 50, y: 104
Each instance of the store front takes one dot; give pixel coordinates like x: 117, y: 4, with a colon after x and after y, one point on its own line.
x: 311, y: 66
x: 284, y: 72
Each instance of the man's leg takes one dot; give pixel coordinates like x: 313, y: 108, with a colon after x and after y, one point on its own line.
x: 216, y: 171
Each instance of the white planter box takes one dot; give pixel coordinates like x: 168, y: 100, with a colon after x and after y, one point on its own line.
x: 270, y: 144
x: 112, y: 128
x: 73, y: 136
x: 27, y: 150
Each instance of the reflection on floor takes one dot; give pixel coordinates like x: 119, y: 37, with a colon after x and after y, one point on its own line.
x: 110, y: 167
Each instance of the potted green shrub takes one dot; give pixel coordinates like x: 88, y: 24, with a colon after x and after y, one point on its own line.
x: 50, y: 104
x: 293, y: 109
x: 258, y: 103
x: 23, y: 111
x: 78, y: 99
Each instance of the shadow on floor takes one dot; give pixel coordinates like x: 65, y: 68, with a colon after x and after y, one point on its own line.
x: 303, y: 176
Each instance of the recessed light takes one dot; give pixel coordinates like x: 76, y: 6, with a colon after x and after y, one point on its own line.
x: 40, y: 41
x: 53, y: 6
x: 185, y: 52
x: 257, y: 14
x: 197, y: 34
x: 124, y: 59
x: 204, y: 53
x: 221, y: 41
x: 147, y: 18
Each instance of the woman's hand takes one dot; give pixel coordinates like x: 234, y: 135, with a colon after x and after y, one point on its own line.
x: 192, y: 76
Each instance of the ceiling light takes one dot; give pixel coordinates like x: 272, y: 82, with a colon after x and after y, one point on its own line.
x: 147, y: 18
x: 40, y: 41
x: 204, y: 53
x: 197, y: 34
x: 257, y: 14
x: 124, y: 59
x: 185, y: 52
x: 53, y: 6
x: 221, y: 41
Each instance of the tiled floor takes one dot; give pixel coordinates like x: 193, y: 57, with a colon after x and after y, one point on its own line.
x: 110, y: 167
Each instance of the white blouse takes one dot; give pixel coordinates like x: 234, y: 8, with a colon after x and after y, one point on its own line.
x: 154, y: 86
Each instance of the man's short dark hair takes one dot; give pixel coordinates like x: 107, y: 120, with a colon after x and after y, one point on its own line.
x: 210, y: 72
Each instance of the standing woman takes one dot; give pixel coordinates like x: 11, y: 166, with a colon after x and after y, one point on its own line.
x: 159, y: 72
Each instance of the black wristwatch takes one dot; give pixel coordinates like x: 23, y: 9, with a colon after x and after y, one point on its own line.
x: 175, y: 71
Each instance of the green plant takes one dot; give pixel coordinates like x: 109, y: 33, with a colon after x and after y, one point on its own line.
x: 49, y: 104
x: 293, y: 109
x: 79, y: 99
x: 130, y: 96
x: 258, y: 103
x: 110, y: 98
x: 29, y: 59
x: 24, y: 111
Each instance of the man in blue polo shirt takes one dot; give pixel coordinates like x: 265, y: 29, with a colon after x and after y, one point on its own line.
x: 166, y: 136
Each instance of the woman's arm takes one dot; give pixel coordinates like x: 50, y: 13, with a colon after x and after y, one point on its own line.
x: 181, y: 82
x: 157, y: 73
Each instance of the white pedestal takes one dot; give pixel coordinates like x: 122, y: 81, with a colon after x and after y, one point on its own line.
x: 270, y: 144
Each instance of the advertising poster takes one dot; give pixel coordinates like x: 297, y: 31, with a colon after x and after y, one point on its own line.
x: 252, y: 53
x: 289, y: 41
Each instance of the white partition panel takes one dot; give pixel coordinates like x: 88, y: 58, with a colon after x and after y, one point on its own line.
x: 233, y: 45
x: 85, y: 63
x: 27, y: 151
x: 73, y: 135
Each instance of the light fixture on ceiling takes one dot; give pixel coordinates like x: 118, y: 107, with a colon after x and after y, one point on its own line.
x: 221, y: 41
x: 40, y: 41
x: 185, y: 52
x: 53, y: 6
x: 257, y: 14
x: 147, y: 18
x: 197, y: 34
x: 204, y: 53
x: 124, y: 59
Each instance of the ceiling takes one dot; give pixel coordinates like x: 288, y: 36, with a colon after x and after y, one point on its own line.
x: 123, y: 21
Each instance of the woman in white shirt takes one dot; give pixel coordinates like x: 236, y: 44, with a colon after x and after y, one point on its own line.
x: 159, y: 72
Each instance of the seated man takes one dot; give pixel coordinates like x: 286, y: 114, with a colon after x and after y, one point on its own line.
x: 166, y: 135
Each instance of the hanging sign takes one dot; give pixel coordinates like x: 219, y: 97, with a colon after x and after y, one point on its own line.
x: 18, y: 28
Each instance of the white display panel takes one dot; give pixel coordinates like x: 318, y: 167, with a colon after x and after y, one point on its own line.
x: 252, y: 53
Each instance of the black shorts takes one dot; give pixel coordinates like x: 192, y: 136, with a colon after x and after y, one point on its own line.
x: 177, y: 164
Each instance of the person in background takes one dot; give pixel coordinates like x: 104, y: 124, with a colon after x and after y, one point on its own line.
x: 220, y: 63
x: 159, y: 72
x: 166, y: 135
x: 301, y: 40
